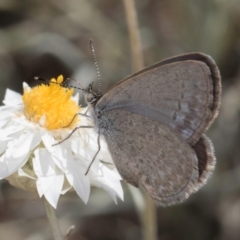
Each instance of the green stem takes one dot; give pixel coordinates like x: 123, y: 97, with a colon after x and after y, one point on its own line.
x: 149, y: 218
x: 135, y: 41
x: 52, y: 220
x: 147, y: 212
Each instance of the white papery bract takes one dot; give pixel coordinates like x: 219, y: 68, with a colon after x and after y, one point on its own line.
x: 27, y: 152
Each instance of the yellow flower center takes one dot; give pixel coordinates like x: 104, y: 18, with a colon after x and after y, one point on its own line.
x: 50, y: 105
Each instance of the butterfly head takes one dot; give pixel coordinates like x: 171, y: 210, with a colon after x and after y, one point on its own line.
x: 92, y: 97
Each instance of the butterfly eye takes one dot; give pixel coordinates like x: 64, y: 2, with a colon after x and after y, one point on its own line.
x: 99, y: 114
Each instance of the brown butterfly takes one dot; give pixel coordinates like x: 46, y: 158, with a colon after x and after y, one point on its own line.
x: 153, y: 122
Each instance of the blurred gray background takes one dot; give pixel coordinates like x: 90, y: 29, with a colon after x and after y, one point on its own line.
x: 49, y: 38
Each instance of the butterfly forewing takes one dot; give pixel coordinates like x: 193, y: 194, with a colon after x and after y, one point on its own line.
x: 199, y: 57
x: 178, y: 94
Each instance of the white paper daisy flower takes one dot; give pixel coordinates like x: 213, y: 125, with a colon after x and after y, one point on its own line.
x: 31, y: 124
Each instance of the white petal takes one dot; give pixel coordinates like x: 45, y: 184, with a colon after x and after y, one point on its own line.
x: 109, y: 180
x: 21, y: 146
x: 49, y: 141
x: 86, y: 145
x: 3, y: 146
x: 74, y: 171
x: 12, y: 98
x: 3, y: 123
x: 50, y: 179
x: 10, y: 165
x: 54, y: 191
x: 81, y: 182
x: 43, y: 164
x: 6, y: 112
x: 104, y: 153
x: 26, y: 86
x: 85, y: 152
x: 42, y: 120
x: 65, y: 190
x: 15, y: 163
x: 3, y: 168
x: 10, y: 132
x: 112, y: 194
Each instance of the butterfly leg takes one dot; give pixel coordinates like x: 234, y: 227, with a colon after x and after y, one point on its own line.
x: 86, y: 112
x: 81, y: 114
x: 74, y: 130
x: 99, y: 148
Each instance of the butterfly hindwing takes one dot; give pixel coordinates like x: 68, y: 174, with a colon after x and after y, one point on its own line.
x: 149, y: 154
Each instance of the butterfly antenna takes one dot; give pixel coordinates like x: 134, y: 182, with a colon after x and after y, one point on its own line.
x: 40, y: 79
x: 72, y: 79
x: 96, y: 64
x: 64, y: 84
